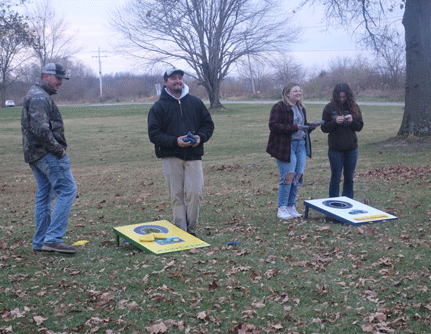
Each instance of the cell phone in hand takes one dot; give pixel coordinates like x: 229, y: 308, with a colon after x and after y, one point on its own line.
x: 317, y: 123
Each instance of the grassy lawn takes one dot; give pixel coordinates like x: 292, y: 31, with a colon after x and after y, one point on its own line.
x: 297, y: 276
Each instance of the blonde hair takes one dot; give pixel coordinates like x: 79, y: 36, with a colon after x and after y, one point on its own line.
x: 285, y: 93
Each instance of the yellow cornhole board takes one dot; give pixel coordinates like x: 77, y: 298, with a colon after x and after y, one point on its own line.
x: 177, y: 239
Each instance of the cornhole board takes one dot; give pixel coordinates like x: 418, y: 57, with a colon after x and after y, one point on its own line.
x: 347, y: 210
x: 177, y: 239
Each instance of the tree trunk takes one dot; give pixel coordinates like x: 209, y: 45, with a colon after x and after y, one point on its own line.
x: 417, y: 112
x: 3, y: 91
x: 3, y: 98
x: 214, y: 97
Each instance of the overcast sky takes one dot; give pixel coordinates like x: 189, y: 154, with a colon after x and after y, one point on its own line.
x: 88, y: 19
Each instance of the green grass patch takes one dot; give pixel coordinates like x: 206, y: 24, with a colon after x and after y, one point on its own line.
x: 290, y: 277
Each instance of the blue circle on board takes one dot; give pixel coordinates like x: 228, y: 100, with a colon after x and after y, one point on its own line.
x: 148, y: 229
x: 336, y: 204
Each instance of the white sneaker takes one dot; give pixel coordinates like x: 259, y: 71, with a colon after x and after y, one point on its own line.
x: 283, y: 213
x: 292, y: 211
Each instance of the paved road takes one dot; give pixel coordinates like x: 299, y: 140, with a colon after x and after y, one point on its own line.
x: 397, y: 104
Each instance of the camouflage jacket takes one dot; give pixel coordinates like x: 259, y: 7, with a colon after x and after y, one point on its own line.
x: 41, y: 124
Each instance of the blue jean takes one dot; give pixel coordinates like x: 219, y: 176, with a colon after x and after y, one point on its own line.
x: 338, y: 161
x: 287, y: 191
x: 53, y: 178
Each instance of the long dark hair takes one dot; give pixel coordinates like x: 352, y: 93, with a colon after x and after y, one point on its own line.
x: 351, y: 103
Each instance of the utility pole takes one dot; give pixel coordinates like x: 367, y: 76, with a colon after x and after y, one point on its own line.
x: 249, y: 65
x: 100, y: 73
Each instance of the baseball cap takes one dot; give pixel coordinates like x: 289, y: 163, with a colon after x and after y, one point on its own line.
x: 55, y: 69
x: 172, y: 71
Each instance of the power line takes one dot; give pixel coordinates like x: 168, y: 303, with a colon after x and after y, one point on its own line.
x: 328, y: 50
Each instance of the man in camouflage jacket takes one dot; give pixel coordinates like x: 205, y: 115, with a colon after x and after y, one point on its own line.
x: 45, y: 151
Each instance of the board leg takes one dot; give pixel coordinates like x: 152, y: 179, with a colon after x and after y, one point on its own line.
x: 306, y: 212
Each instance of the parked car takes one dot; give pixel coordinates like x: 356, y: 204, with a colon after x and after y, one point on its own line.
x: 10, y: 103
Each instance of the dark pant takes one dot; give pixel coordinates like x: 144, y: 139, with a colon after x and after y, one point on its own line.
x: 338, y: 161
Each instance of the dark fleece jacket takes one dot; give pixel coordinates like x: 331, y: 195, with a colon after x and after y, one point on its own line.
x: 341, y: 137
x: 170, y: 118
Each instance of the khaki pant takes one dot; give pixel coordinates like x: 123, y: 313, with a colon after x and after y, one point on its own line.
x: 185, y: 183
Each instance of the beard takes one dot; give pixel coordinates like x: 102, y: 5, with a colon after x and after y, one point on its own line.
x: 177, y: 90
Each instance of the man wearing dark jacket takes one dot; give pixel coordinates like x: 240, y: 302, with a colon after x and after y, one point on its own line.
x: 45, y: 151
x: 178, y: 126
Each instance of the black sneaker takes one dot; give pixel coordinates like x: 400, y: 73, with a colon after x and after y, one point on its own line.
x: 59, y: 247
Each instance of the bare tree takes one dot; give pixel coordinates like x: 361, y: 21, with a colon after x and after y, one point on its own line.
x: 207, y: 35
x: 7, y: 12
x: 53, y: 41
x: 254, y: 69
x: 14, y: 37
x: 357, y: 72
x: 392, y: 58
x: 372, y: 15
x: 83, y: 84
x: 360, y: 74
x: 287, y: 70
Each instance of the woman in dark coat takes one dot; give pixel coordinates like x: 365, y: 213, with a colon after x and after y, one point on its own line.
x: 343, y: 119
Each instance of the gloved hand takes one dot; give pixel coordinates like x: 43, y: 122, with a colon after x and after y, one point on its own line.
x: 190, y: 138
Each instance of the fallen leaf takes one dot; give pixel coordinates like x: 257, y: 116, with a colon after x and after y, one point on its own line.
x: 38, y: 319
x: 202, y: 315
x: 157, y: 328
